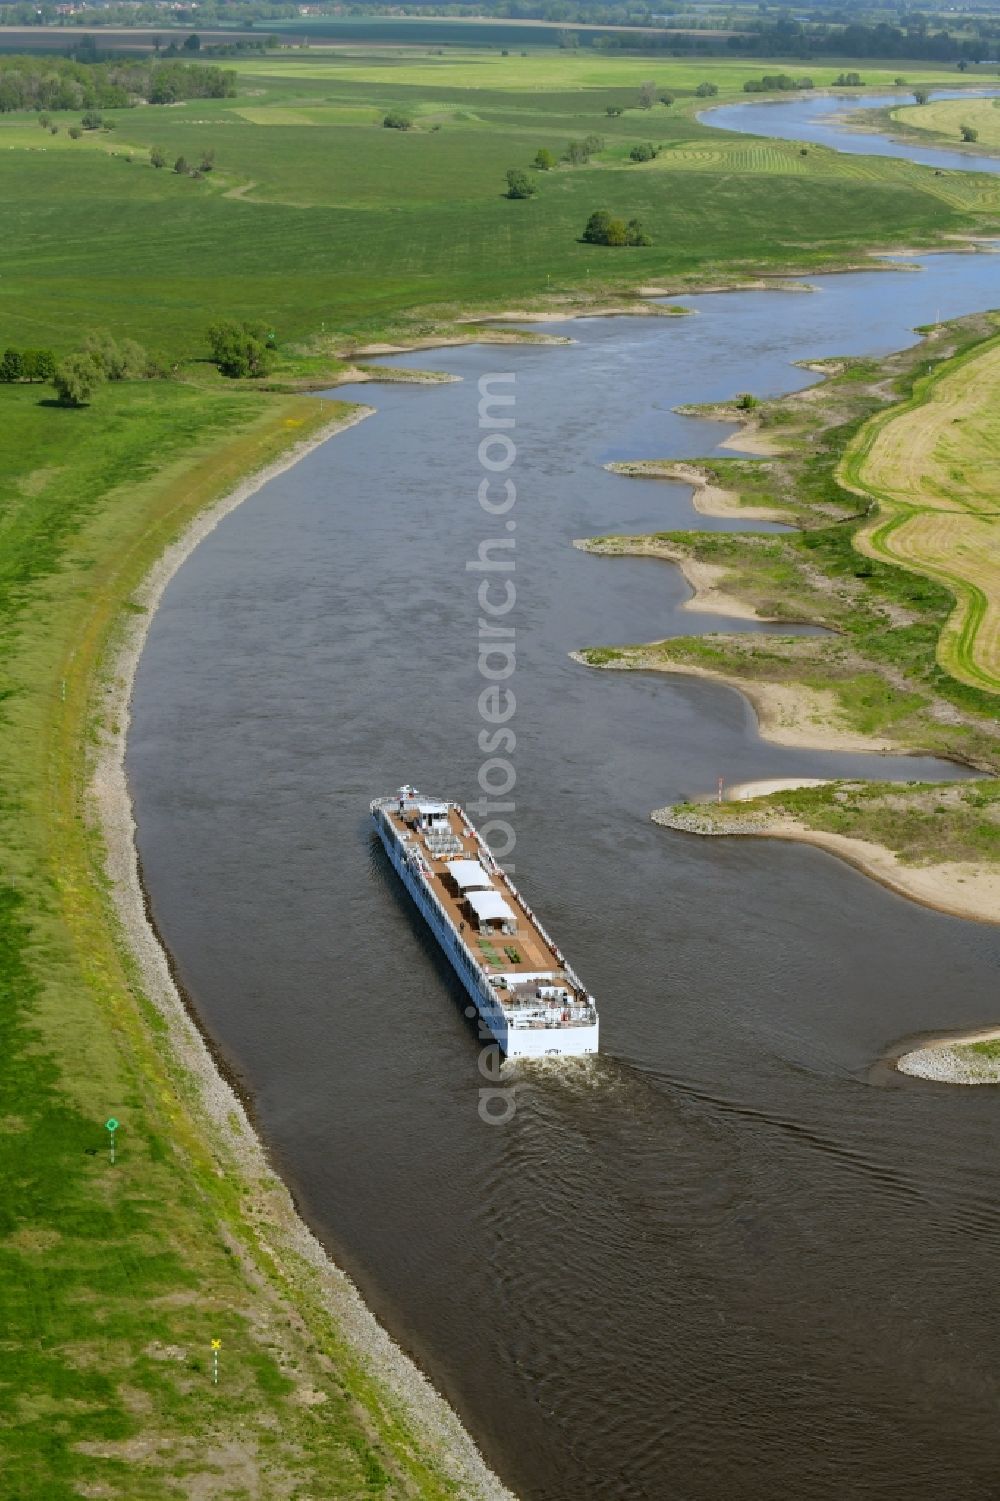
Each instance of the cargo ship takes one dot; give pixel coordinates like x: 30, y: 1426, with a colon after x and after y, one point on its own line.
x: 527, y: 996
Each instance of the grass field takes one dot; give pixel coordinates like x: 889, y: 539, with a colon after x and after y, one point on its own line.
x: 932, y: 466
x: 114, y: 1280
x: 945, y: 117
x: 317, y: 218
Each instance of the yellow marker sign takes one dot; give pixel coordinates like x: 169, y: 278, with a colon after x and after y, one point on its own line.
x: 216, y: 1344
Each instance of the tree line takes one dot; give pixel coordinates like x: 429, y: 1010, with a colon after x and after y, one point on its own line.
x: 56, y: 83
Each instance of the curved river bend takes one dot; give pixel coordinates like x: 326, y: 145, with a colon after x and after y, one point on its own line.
x: 717, y: 1262
x: 825, y: 120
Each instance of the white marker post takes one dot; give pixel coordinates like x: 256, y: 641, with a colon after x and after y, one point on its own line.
x: 112, y: 1126
x: 216, y: 1347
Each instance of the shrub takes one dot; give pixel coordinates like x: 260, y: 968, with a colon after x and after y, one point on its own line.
x: 396, y: 120
x: 920, y: 96
x: 75, y: 132
x: 544, y: 159
x: 156, y: 158
x: 207, y: 160
x: 614, y: 110
x: 603, y: 229
x: 647, y: 95
x: 43, y: 121
x: 181, y: 167
x: 666, y: 99
x: 519, y: 184
x: 707, y: 90
x: 747, y: 402
x: 125, y: 361
x: 848, y: 81
x: 92, y: 120
x: 969, y: 132
x: 643, y: 153
x: 241, y: 349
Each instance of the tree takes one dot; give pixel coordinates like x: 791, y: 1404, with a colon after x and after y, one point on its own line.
x: 578, y: 153
x: 396, y: 120
x: 596, y: 231
x: 181, y: 167
x: 848, y: 81
x: 643, y: 153
x: 92, y: 120
x: 614, y: 110
x: 707, y: 90
x: 920, y: 96
x: 76, y: 379
x: 156, y: 158
x: 39, y: 364
x: 75, y: 132
x: 11, y: 366
x: 207, y: 159
x: 519, y: 184
x: 602, y: 229
x: 544, y: 159
x: 666, y: 99
x: 241, y: 349
x: 969, y: 133
x: 647, y: 95
x: 53, y: 130
x: 43, y: 121
x: 192, y: 43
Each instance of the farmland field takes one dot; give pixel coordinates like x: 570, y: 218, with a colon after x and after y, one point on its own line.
x: 932, y: 465
x: 316, y: 217
x: 945, y: 117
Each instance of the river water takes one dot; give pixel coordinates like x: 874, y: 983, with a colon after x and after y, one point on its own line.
x: 825, y: 120
x: 717, y: 1261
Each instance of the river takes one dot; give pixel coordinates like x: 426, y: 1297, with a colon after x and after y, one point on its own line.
x: 824, y: 119
x: 717, y: 1261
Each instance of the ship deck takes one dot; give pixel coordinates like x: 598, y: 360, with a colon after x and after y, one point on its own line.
x: 524, y: 952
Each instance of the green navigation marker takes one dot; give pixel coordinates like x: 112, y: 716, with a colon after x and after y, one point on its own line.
x: 111, y: 1125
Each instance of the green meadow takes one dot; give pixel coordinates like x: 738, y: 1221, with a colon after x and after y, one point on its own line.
x: 317, y: 218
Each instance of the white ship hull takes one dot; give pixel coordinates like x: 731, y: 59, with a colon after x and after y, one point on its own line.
x: 515, y: 1039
